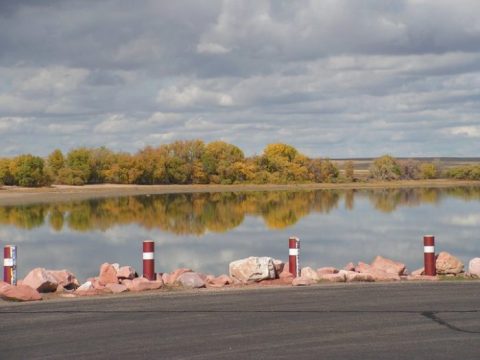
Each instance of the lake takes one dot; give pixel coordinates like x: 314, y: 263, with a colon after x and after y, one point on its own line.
x: 206, y: 231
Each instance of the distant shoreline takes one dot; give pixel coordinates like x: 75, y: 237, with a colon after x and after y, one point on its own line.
x: 11, y: 195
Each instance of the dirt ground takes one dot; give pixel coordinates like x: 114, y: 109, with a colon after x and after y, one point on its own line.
x: 11, y: 195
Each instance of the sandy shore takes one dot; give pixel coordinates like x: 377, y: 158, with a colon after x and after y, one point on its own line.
x: 11, y: 195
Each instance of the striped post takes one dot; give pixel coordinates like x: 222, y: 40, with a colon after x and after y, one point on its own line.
x: 293, y: 252
x: 429, y: 255
x: 149, y: 259
x: 10, y: 264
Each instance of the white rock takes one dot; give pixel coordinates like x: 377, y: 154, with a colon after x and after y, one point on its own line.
x: 252, y: 269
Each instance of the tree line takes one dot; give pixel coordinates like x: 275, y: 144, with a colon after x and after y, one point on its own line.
x: 180, y: 162
x: 195, y: 162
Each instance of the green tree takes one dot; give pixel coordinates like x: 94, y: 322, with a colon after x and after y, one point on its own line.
x: 55, y: 162
x: 223, y: 163
x: 6, y: 177
x: 28, y: 170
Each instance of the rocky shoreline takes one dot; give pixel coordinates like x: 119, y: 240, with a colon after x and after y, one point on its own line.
x: 40, y: 283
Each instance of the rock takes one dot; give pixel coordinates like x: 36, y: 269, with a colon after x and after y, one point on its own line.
x: 474, y: 267
x: 279, y: 265
x: 191, y: 280
x: 352, y: 276
x: 87, y: 289
x: 116, y: 288
x: 172, y: 278
x: 302, y: 281
x: 220, y: 281
x: 349, y: 267
x: 141, y: 284
x: 327, y: 270
x: 333, y: 277
x: 388, y: 265
x: 108, y: 274
x: 252, y: 269
x: 166, y: 278
x: 448, y: 264
x: 65, y: 278
x: 379, y: 275
x: 277, y: 282
x: 18, y: 293
x: 126, y: 272
x: 309, y: 273
x: 422, y: 278
x: 41, y: 280
x: 362, y: 267
x: 417, y: 272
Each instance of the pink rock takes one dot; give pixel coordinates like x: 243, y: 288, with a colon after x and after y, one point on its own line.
x: 117, y: 288
x: 352, y: 276
x: 166, y: 278
x: 108, y: 274
x: 422, y: 278
x: 333, y: 277
x: 448, y: 264
x: 379, y: 275
x: 362, y: 267
x: 97, y: 284
x: 285, y: 274
x: 220, y: 281
x: 18, y: 293
x: 174, y: 275
x: 309, y: 273
x: 65, y: 278
x: 417, y: 272
x: 474, y: 267
x: 126, y: 272
x: 191, y: 280
x: 141, y: 284
x: 41, y: 280
x: 210, y: 279
x: 327, y: 270
x: 349, y: 267
x: 302, y: 281
x: 87, y: 289
x: 387, y: 265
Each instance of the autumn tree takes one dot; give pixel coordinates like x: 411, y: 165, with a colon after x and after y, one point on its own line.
x: 224, y: 163
x: 284, y: 164
x: 28, y: 170
x: 77, y: 170
x: 349, y: 170
x: 385, y: 168
x: 6, y: 177
x: 428, y: 171
x: 55, y: 162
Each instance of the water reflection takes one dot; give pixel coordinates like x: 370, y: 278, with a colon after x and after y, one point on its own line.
x: 207, y: 231
x: 196, y: 214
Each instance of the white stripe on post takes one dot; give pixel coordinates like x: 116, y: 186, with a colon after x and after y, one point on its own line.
x: 7, y: 262
x: 148, y: 256
x: 429, y: 249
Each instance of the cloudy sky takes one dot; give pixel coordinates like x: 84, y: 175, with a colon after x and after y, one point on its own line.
x: 333, y: 78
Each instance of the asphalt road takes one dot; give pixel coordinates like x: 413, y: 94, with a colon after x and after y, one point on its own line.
x: 352, y: 321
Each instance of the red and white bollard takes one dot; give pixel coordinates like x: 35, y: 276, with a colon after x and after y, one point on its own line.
x: 149, y: 259
x: 10, y: 264
x: 429, y: 255
x: 293, y: 252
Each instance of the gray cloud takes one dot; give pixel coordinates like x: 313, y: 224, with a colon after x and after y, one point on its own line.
x: 333, y: 78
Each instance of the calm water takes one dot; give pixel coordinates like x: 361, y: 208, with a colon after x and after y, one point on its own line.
x: 207, y: 231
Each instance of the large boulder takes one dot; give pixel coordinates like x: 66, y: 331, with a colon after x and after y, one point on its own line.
x: 279, y: 265
x: 18, y: 293
x: 474, y: 267
x: 142, y: 284
x: 170, y: 279
x: 108, y: 274
x: 41, y: 280
x: 387, y: 265
x: 126, y: 272
x: 448, y: 264
x: 87, y: 289
x: 116, y: 288
x: 65, y: 279
x: 308, y: 272
x: 252, y: 269
x: 338, y: 277
x: 327, y: 270
x: 352, y: 276
x: 303, y: 281
x: 191, y: 280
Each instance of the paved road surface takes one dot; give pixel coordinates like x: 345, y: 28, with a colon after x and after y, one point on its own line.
x: 352, y: 321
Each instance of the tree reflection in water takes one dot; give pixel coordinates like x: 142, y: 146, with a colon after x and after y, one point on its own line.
x: 195, y: 214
